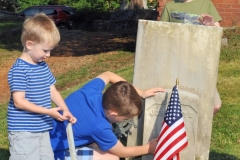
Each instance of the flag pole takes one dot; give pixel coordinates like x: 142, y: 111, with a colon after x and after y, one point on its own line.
x: 71, y: 141
x: 177, y: 82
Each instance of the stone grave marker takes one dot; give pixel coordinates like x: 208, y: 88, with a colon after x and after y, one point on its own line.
x: 166, y: 51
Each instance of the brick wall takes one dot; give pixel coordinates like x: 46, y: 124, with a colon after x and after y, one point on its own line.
x: 229, y: 10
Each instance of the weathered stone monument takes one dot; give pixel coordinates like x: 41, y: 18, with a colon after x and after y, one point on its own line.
x: 166, y: 51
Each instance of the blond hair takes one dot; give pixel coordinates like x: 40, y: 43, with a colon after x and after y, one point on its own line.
x: 40, y: 29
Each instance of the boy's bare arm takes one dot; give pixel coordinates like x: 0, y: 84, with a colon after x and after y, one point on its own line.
x: 132, y: 151
x: 58, y: 100
x: 110, y: 77
x: 149, y: 92
x: 22, y: 103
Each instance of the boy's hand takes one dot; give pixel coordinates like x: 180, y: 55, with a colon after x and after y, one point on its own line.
x: 206, y: 20
x: 151, y: 92
x: 67, y: 114
x: 152, y: 145
x: 54, y: 112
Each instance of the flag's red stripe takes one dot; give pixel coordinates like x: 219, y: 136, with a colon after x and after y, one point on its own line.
x: 165, y: 151
x: 163, y: 130
x: 160, y: 136
x: 176, y: 157
x: 179, y: 127
x: 181, y: 148
x: 172, y: 145
x: 178, y: 139
x: 176, y: 150
x: 158, y: 147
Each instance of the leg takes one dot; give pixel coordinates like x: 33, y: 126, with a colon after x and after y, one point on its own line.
x: 23, y: 145
x: 101, y: 155
x: 217, y: 102
x: 91, y: 152
x: 46, y: 152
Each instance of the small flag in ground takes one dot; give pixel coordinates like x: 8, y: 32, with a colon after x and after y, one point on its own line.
x: 172, y: 138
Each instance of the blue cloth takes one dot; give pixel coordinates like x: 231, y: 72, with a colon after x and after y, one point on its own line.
x: 83, y: 153
x: 35, y: 81
x: 92, y: 125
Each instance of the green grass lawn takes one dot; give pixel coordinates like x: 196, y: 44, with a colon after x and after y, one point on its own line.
x: 225, y: 141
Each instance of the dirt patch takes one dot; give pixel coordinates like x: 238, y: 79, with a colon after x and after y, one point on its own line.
x: 75, y: 49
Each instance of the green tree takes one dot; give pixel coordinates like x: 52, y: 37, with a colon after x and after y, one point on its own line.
x: 60, y: 2
x: 27, y: 3
x: 8, y: 5
x: 82, y: 4
x: 100, y: 5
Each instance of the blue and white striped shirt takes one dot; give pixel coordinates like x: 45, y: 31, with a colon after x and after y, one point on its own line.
x: 35, y: 81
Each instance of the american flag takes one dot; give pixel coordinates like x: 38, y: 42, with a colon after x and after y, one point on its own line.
x: 172, y: 138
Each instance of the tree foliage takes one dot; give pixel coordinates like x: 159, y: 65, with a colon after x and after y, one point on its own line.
x: 27, y: 3
x: 8, y: 5
x: 152, y: 4
x: 100, y: 5
x: 103, y: 5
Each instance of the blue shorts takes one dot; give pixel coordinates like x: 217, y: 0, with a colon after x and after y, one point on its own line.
x: 83, y: 153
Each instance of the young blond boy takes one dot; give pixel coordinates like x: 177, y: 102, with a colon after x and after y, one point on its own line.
x: 96, y: 111
x: 29, y: 115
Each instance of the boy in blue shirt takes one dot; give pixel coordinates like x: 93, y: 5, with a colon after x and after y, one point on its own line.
x: 96, y: 111
x: 29, y: 115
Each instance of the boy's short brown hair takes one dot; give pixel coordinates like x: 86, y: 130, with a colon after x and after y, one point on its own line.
x: 40, y: 29
x: 122, y: 98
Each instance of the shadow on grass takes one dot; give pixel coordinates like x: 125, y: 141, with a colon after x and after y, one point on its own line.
x: 221, y: 156
x: 11, y: 40
x: 80, y: 43
x: 4, y: 154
